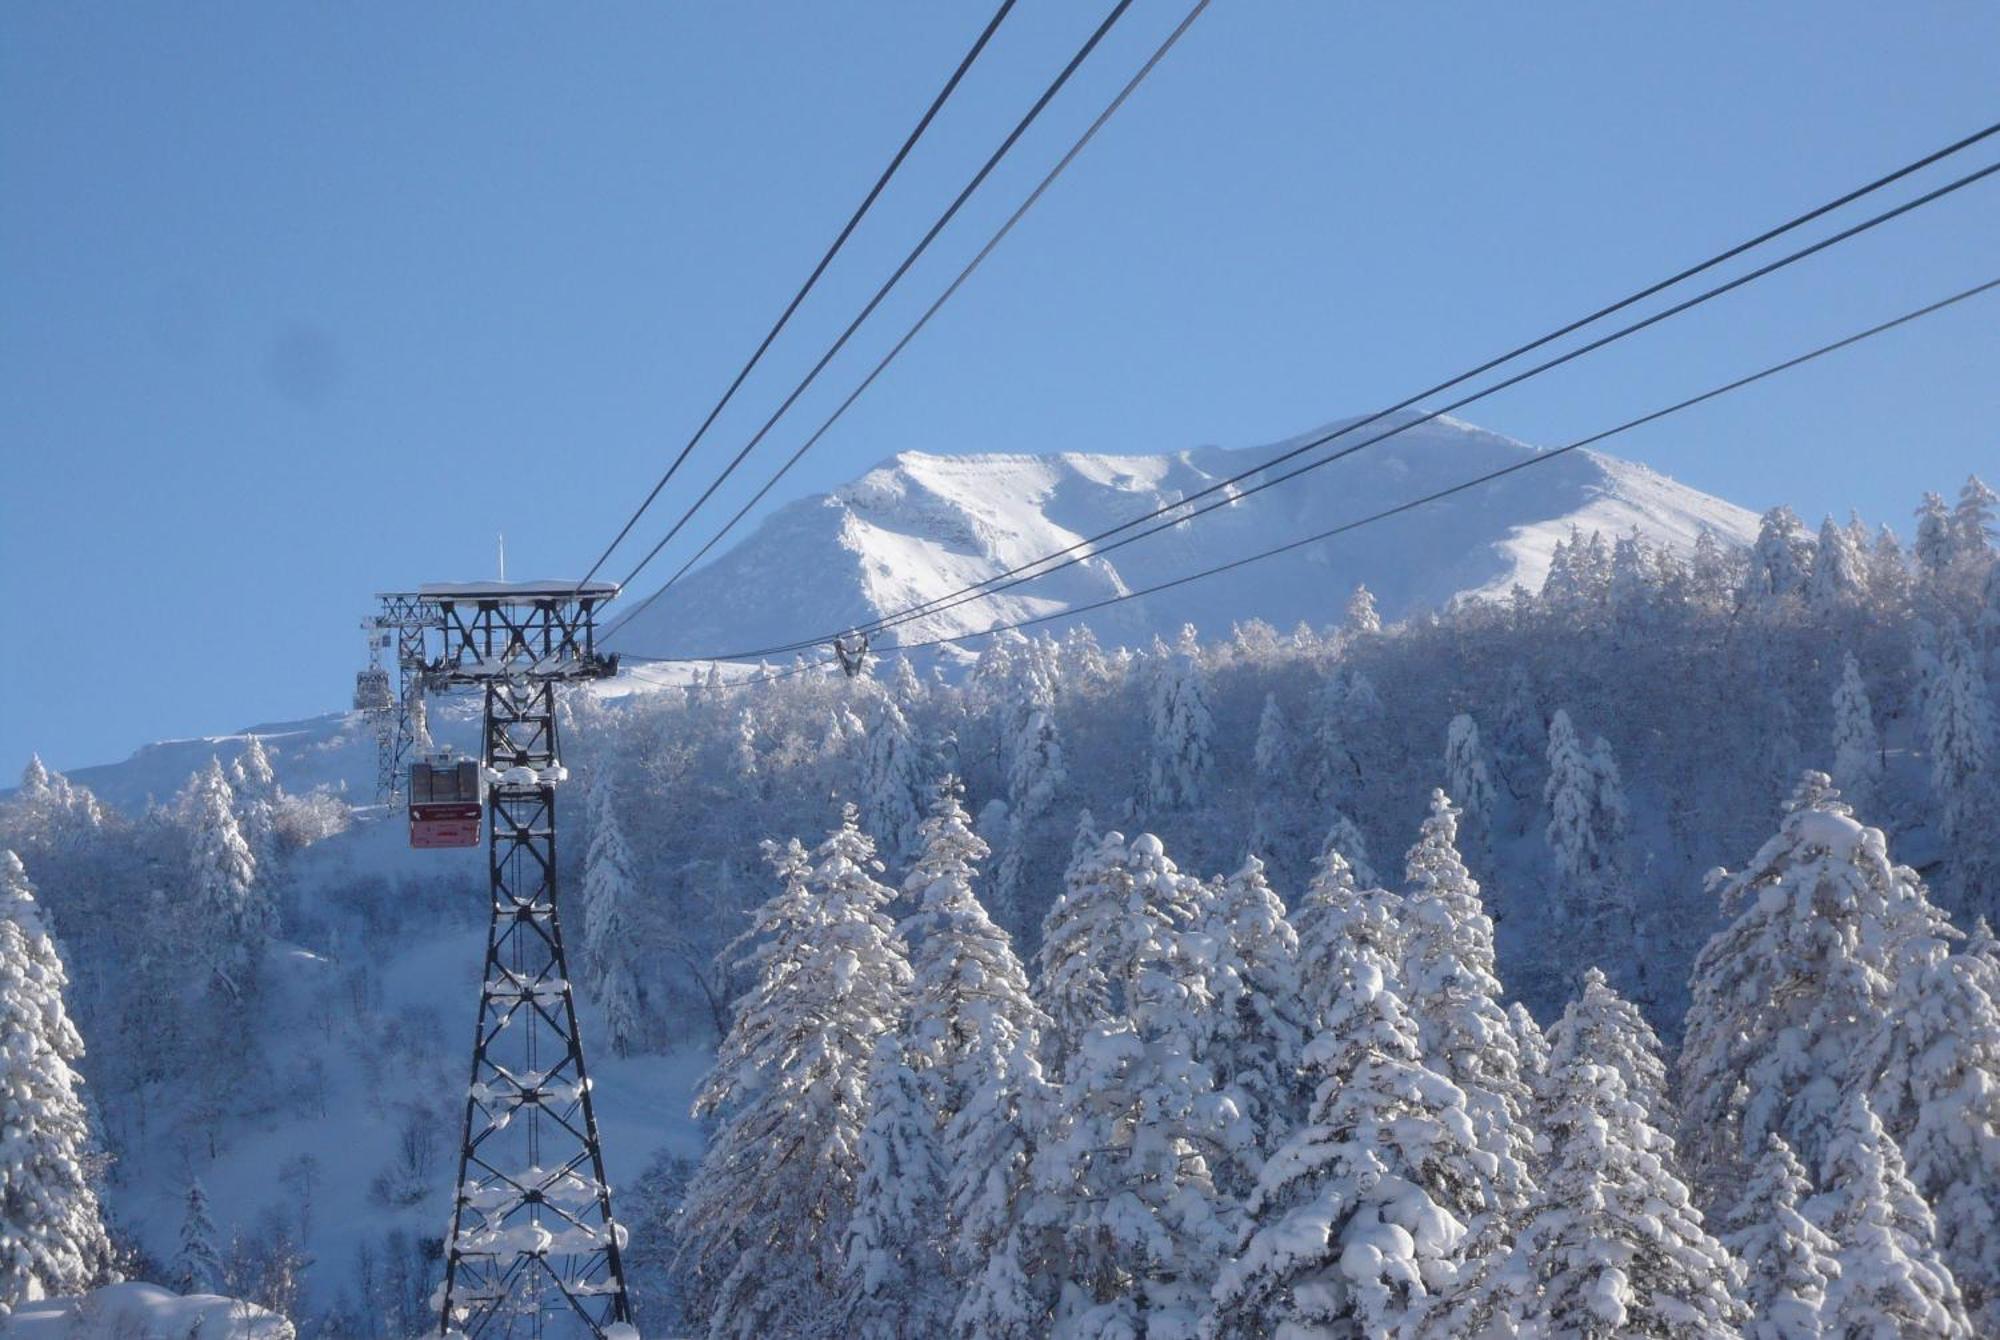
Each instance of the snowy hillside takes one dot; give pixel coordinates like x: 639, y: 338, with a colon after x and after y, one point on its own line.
x: 144, y: 1312
x: 920, y: 526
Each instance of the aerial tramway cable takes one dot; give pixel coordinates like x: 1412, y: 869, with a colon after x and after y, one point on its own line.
x: 854, y: 219
x: 951, y: 212
x: 1177, y: 512
x: 992, y: 244
x: 1541, y: 458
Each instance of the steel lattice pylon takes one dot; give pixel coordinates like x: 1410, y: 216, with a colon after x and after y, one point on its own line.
x: 408, y: 617
x: 533, y: 1248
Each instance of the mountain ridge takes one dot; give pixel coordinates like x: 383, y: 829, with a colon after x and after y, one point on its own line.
x: 919, y: 525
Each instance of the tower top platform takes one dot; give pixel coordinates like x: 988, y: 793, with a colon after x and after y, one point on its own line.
x: 513, y: 593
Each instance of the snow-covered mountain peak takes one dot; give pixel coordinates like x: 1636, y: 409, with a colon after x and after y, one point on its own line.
x: 920, y: 525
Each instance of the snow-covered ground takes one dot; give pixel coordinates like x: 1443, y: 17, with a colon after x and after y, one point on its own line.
x: 143, y: 1312
x: 368, y: 1047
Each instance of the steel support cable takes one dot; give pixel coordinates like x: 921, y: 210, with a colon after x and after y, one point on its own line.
x: 929, y: 606
x: 951, y: 212
x: 847, y: 230
x: 992, y: 244
x: 1415, y: 503
x: 1541, y: 458
x: 1176, y: 514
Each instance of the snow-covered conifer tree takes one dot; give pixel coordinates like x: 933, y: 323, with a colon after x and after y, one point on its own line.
x: 1332, y: 918
x: 891, y: 781
x: 1036, y: 772
x: 1449, y: 977
x: 1612, y: 1245
x: 1631, y: 588
x: 1084, y: 952
x: 1891, y: 1282
x: 1839, y: 576
x: 251, y: 773
x: 1121, y: 1178
x: 1708, y: 572
x: 609, y: 889
x: 52, y: 1240
x: 1959, y: 726
x: 1786, y: 997
x: 197, y: 1266
x: 1972, y: 530
x: 1361, y: 616
x: 228, y: 914
x: 1465, y: 772
x: 1614, y: 815
x: 1571, y: 795
x: 1275, y: 757
x: 1604, y: 1027
x: 1345, y: 838
x: 1780, y: 560
x: 768, y: 1209
x: 1936, y: 545
x: 1533, y: 1045
x: 1182, y: 755
x: 897, y: 1288
x: 904, y: 685
x: 1257, y: 1034
x: 1359, y: 1218
x: 1787, y: 1260
x: 1276, y: 752
x: 1889, y: 576
x: 1857, y: 749
x: 975, y: 1034
x: 1936, y: 1061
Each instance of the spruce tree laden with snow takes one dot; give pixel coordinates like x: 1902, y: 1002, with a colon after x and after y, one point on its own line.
x: 52, y: 1238
x: 1857, y: 748
x: 1344, y: 838
x: 1606, y: 1028
x: 1362, y: 619
x: 1357, y: 1220
x: 197, y: 1266
x: 1892, y: 1281
x: 1786, y: 997
x: 1571, y: 795
x: 1780, y: 561
x: 1972, y: 528
x: 892, y: 780
x: 228, y: 915
x: 896, y: 1288
x: 608, y: 894
x: 1182, y: 728
x: 1334, y: 915
x: 1959, y: 727
x: 1936, y: 1063
x: 1612, y: 1245
x: 1257, y: 1033
x: 768, y: 1209
x: 1788, y: 1262
x: 1450, y: 979
x: 1466, y: 776
x: 974, y: 1037
x: 1122, y: 1170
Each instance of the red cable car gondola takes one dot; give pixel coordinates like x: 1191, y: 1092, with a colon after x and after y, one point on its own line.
x: 446, y: 796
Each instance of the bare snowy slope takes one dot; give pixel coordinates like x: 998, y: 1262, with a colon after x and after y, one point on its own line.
x: 920, y: 526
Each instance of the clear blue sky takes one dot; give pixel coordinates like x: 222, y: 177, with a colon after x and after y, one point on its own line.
x: 298, y: 302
